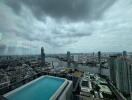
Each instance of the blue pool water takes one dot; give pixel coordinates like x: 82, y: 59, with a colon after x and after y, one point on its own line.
x: 42, y: 89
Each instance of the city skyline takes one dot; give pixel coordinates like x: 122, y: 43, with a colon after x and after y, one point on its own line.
x: 65, y: 25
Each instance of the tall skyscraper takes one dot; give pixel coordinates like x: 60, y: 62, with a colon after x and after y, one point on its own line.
x: 42, y: 56
x: 124, y: 53
x: 99, y: 56
x: 130, y: 79
x: 99, y: 61
x: 121, y: 73
x: 112, y: 66
x: 68, y: 58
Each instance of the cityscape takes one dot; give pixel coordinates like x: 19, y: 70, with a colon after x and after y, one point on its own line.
x: 98, y: 75
x: 65, y: 50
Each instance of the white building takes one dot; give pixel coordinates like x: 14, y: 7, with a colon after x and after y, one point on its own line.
x: 75, y: 58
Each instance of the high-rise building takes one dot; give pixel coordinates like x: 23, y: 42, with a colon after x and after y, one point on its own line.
x: 121, y: 73
x: 99, y: 56
x: 99, y: 61
x: 42, y: 56
x: 112, y: 66
x: 124, y: 53
x: 130, y: 78
x: 68, y: 58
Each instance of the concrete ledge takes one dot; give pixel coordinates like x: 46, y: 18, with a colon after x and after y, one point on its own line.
x: 3, y: 98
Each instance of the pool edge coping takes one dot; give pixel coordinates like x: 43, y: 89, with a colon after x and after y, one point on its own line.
x: 56, y: 94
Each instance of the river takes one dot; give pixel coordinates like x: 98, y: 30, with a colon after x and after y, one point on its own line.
x: 58, y: 64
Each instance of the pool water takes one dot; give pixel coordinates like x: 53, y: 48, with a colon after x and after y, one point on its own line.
x: 42, y: 89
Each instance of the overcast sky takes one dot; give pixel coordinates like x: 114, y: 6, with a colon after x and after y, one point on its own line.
x: 65, y: 25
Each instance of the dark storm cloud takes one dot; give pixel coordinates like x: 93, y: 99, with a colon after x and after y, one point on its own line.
x: 61, y: 25
x: 14, y: 4
x: 59, y: 9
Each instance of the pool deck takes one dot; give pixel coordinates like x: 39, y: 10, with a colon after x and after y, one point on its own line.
x: 53, y: 97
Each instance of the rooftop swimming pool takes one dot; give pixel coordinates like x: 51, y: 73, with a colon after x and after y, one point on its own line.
x: 43, y: 88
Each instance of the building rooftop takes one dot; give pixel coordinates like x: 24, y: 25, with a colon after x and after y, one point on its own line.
x: 77, y: 74
x: 105, y: 89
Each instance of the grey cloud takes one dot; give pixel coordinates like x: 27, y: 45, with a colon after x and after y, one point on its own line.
x: 2, y: 49
x: 74, y: 35
x: 19, y: 24
x: 55, y: 43
x: 59, y: 9
x: 6, y: 50
x: 10, y: 50
x: 15, y: 5
x: 71, y: 33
